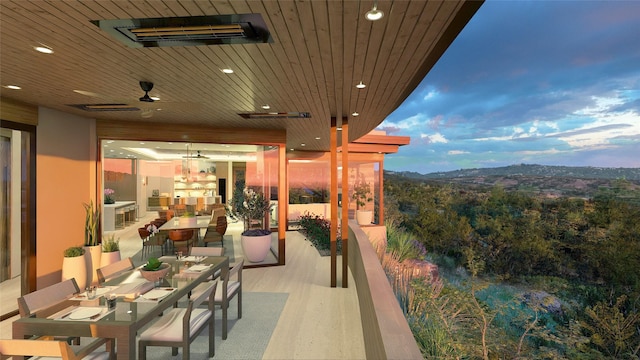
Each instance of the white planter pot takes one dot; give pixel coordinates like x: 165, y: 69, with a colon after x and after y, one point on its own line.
x: 187, y: 221
x: 364, y: 217
x: 109, y: 258
x: 92, y: 255
x: 256, y: 248
x: 75, y: 267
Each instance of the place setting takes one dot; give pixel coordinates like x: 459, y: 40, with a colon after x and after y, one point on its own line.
x: 81, y: 313
x: 156, y: 295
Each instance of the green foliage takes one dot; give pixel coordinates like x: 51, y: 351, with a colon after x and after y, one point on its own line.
x: 92, y: 219
x: 152, y: 264
x: 403, y: 244
x: 248, y: 204
x: 361, y: 192
x: 188, y: 214
x: 613, y: 328
x: 583, y: 251
x: 74, y: 251
x: 317, y: 229
x: 110, y: 244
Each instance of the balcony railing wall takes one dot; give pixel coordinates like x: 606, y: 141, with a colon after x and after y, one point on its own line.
x: 386, y: 332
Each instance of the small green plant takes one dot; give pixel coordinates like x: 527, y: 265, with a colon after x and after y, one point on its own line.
x: 74, y: 251
x: 110, y: 245
x: 91, y: 221
x: 188, y: 214
x: 152, y: 264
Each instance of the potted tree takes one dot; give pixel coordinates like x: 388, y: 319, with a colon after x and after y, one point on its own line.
x: 252, y: 207
x: 74, y: 265
x: 362, y: 196
x: 93, y: 250
x: 110, y: 251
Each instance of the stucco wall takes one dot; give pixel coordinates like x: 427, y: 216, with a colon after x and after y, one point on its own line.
x: 66, y: 178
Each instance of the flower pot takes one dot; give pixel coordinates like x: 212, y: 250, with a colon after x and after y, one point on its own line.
x: 156, y: 275
x: 364, y: 217
x: 256, y: 248
x: 75, y: 267
x: 92, y: 256
x: 109, y: 258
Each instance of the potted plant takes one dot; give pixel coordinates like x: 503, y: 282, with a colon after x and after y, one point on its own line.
x: 154, y: 269
x: 252, y: 207
x: 93, y: 250
x: 188, y: 219
x: 74, y: 266
x: 108, y: 196
x: 362, y: 196
x: 110, y: 251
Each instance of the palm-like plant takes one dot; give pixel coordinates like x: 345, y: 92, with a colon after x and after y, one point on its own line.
x: 91, y: 224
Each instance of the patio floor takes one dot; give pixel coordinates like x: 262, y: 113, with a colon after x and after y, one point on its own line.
x: 317, y: 322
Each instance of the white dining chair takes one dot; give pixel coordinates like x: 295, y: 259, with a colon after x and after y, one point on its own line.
x: 114, y: 269
x: 47, y: 349
x: 231, y: 287
x: 179, y: 327
x: 208, y: 251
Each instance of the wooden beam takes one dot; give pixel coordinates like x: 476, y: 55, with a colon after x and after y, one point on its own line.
x: 16, y: 111
x: 334, y: 200
x: 345, y: 202
x: 372, y: 148
x: 383, y: 139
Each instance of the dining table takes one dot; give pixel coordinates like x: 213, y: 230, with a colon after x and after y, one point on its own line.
x: 202, y: 222
x: 79, y: 316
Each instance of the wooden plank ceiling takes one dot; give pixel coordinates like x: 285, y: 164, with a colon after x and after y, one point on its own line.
x: 321, y: 49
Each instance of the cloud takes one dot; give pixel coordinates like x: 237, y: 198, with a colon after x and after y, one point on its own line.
x: 549, y: 82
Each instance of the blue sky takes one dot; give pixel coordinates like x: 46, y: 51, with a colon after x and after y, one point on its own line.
x: 534, y: 82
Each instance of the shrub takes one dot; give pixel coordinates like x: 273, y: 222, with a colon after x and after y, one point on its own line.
x: 317, y: 229
x: 74, y: 251
x: 403, y: 244
x: 110, y: 245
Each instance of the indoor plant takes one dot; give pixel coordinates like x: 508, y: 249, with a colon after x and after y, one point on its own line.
x: 108, y: 196
x: 93, y: 250
x: 110, y: 251
x: 188, y: 219
x: 362, y: 196
x: 253, y: 208
x: 74, y: 265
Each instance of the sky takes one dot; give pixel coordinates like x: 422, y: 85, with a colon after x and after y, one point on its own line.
x: 529, y: 82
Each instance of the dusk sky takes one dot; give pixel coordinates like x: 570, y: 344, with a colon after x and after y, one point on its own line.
x: 534, y: 82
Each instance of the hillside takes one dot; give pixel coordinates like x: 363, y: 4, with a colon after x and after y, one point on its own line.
x: 585, y: 172
x: 537, y: 179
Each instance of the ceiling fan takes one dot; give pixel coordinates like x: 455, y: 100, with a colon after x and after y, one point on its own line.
x: 197, y: 155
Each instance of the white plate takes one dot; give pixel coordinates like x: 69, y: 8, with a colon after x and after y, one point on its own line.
x: 199, y: 268
x: 83, y: 313
x: 157, y: 294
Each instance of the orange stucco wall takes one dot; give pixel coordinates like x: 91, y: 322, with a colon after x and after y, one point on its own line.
x: 66, y: 174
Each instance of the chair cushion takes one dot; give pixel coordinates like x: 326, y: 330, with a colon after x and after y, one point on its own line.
x: 232, y: 288
x: 169, y: 326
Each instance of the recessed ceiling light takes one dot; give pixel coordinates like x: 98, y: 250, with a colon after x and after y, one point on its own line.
x: 109, y: 141
x: 339, y: 129
x: 303, y: 144
x: 155, y: 98
x: 266, y: 106
x: 13, y: 87
x: 44, y: 49
x: 291, y: 149
x: 227, y: 71
x: 317, y: 137
x: 355, y: 113
x: 361, y: 85
x: 374, y: 14
x: 141, y: 143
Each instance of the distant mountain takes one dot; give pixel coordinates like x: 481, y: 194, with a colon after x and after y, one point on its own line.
x: 632, y: 174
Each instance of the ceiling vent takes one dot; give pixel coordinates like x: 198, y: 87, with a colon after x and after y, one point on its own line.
x: 277, y: 115
x: 188, y: 31
x: 105, y: 107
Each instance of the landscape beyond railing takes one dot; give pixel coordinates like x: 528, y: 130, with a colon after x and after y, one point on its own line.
x: 386, y: 332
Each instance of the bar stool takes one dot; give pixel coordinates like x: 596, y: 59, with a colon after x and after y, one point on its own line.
x: 130, y: 215
x: 120, y: 214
